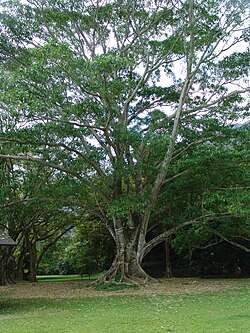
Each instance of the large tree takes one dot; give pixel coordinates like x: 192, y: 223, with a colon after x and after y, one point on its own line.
x: 114, y: 94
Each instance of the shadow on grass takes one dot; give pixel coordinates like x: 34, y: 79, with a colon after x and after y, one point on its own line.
x: 20, y: 306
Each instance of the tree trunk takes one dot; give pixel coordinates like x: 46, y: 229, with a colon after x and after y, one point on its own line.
x: 168, y: 272
x: 130, y: 252
x: 2, y: 268
x: 33, y: 262
x: 122, y: 271
x: 126, y: 266
x: 11, y: 265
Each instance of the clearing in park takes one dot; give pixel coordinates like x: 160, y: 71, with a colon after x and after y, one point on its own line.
x: 175, y: 305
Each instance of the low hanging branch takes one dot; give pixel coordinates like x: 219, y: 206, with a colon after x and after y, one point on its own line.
x: 159, y: 239
x: 217, y: 233
x: 198, y: 221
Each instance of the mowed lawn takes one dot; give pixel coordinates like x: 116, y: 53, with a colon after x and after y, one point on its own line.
x: 220, y: 312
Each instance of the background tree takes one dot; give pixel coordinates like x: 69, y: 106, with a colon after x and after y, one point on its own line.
x: 217, y: 186
x: 90, y: 249
x: 34, y: 217
x: 94, y: 89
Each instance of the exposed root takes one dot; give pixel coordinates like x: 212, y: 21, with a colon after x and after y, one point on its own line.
x: 135, y: 275
x: 115, y: 278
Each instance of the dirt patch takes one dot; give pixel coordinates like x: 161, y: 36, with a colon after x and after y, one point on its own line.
x: 78, y: 289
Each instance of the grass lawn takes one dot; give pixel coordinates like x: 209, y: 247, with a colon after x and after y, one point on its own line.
x: 211, y: 312
x: 57, y: 278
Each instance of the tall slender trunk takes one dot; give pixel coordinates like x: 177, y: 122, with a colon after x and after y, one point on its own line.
x: 33, y: 261
x: 2, y: 268
x: 168, y: 272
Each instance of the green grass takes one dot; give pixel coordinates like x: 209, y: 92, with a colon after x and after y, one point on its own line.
x: 217, y: 312
x: 58, y: 278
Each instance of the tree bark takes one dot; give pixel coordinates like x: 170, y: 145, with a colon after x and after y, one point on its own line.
x: 126, y: 266
x: 33, y: 261
x: 125, y: 271
x: 2, y: 268
x: 168, y: 272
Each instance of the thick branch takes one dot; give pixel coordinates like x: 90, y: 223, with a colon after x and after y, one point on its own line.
x: 160, y: 238
x: 94, y: 164
x: 42, y: 162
